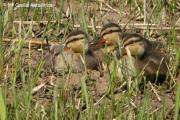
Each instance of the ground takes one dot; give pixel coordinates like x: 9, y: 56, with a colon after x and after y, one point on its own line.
x: 48, y: 87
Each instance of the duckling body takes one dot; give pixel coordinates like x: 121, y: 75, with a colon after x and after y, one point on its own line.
x: 146, y: 59
x: 154, y: 65
x: 93, y: 61
x: 61, y: 61
x: 68, y: 62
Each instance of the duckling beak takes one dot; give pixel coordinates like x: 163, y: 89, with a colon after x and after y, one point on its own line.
x: 66, y: 48
x: 101, y: 41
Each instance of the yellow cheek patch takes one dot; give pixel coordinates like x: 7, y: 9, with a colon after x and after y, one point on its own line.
x: 111, y: 38
x: 136, y: 49
x: 76, y: 46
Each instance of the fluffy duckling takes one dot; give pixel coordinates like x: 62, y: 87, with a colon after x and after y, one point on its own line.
x: 112, y: 35
x: 74, y: 53
x: 149, y: 61
x: 79, y: 42
x: 134, y: 49
x: 108, y: 41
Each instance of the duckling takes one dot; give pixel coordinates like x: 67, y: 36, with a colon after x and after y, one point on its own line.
x: 112, y: 35
x: 145, y: 59
x: 75, y: 53
x: 142, y: 54
x: 109, y: 40
x: 79, y: 42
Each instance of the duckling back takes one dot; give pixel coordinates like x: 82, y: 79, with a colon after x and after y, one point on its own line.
x: 154, y: 66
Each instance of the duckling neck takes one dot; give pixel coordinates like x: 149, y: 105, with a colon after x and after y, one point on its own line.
x: 148, y: 49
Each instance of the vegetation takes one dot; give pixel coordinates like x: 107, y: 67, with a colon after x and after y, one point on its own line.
x: 30, y: 91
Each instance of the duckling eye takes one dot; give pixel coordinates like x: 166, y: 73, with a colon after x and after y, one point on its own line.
x: 141, y: 43
x: 110, y: 31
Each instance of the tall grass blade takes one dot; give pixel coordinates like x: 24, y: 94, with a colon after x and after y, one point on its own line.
x: 2, y: 107
x: 1, y: 39
x: 177, y: 104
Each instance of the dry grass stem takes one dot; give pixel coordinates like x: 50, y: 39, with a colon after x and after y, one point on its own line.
x: 155, y: 91
x: 31, y: 41
x: 129, y: 26
x: 37, y: 88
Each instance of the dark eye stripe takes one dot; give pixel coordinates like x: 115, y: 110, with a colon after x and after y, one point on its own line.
x: 131, y: 42
x: 75, y: 39
x: 111, y: 31
x: 76, y: 32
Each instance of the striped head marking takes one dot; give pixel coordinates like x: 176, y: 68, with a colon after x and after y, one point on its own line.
x: 110, y: 32
x: 136, y: 45
x: 76, y: 41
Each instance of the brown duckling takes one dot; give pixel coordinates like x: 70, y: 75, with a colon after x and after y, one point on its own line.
x: 79, y: 42
x: 75, y: 53
x: 137, y: 50
x: 147, y: 60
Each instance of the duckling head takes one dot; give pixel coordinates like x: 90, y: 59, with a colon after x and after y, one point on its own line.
x: 135, y: 45
x: 110, y: 34
x: 77, y: 41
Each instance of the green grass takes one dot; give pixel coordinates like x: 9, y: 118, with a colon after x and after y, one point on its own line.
x: 60, y: 101
x: 3, y: 106
x: 1, y: 43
